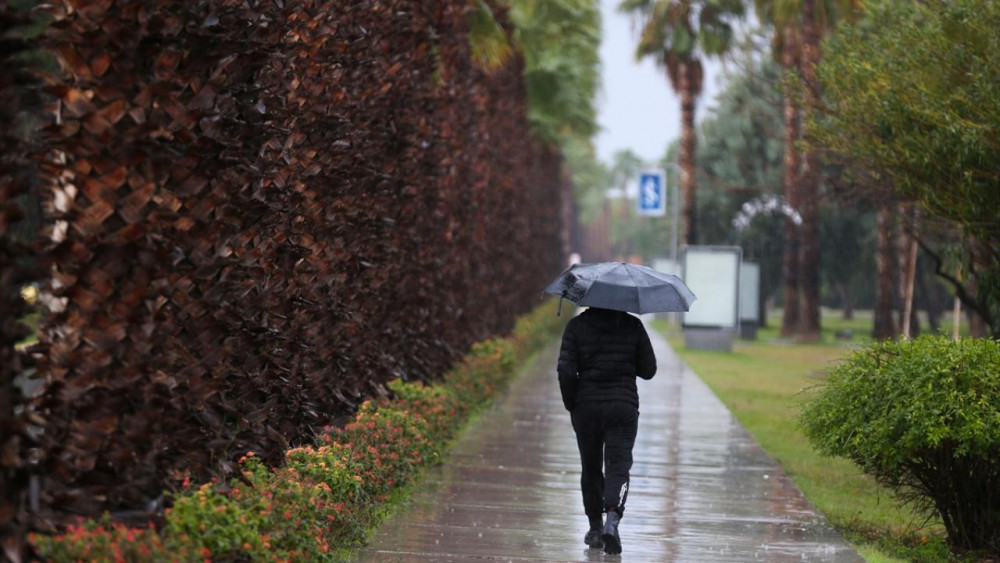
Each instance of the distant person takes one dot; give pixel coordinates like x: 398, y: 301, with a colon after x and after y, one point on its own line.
x: 602, y: 353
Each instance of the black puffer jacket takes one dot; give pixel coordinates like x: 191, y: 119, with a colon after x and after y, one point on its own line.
x: 602, y: 353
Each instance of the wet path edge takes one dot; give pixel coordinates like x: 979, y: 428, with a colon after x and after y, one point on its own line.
x: 702, y: 489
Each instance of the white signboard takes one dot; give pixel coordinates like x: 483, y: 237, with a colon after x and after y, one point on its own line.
x: 652, y: 194
x: 749, y: 292
x: 713, y: 274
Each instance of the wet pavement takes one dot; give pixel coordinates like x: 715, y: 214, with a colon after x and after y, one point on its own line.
x: 702, y: 489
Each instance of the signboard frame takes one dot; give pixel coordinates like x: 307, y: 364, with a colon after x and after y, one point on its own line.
x: 720, y: 253
x: 749, y: 292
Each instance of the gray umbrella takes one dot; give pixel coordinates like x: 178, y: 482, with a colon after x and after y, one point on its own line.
x: 622, y: 287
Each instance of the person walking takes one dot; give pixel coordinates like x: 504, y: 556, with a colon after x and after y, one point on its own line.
x: 602, y: 353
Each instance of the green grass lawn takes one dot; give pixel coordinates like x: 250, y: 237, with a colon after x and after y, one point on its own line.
x: 860, y: 326
x: 765, y: 383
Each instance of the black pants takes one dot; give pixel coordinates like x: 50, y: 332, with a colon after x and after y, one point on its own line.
x: 605, y: 434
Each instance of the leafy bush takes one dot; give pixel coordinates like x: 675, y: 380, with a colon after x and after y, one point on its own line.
x: 326, y: 496
x: 923, y: 417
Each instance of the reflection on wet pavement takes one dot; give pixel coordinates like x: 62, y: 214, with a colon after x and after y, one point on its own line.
x: 702, y: 489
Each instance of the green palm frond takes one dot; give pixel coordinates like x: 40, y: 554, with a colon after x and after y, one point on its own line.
x: 490, y: 45
x: 560, y: 40
x: 786, y: 14
x: 679, y: 32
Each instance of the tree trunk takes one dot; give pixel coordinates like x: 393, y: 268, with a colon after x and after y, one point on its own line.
x: 929, y: 296
x: 846, y: 300
x: 982, y: 260
x: 909, y: 326
x: 884, y: 326
x: 808, y: 188
x: 687, y: 86
x: 809, y: 320
x: 977, y: 327
x: 790, y: 262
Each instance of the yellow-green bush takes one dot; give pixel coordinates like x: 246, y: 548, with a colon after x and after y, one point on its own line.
x: 923, y: 417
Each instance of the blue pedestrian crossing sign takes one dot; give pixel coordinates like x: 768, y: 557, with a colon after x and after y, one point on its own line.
x: 652, y: 194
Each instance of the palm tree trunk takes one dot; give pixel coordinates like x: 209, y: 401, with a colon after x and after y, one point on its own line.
x: 687, y: 85
x: 884, y: 327
x: 809, y: 319
x: 790, y: 263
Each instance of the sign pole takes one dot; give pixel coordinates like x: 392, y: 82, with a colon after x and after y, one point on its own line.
x: 673, y: 224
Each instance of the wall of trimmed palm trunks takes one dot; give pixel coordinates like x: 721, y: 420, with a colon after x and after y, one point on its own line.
x: 260, y: 213
x: 18, y: 94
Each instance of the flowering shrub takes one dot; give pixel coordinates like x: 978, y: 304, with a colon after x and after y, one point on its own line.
x: 216, y: 521
x: 326, y: 496
x: 443, y: 410
x: 106, y: 541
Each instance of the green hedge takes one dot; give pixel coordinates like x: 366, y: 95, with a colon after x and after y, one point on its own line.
x: 327, y: 496
x: 923, y: 417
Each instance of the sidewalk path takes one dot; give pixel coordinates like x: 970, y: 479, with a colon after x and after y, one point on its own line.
x: 702, y: 489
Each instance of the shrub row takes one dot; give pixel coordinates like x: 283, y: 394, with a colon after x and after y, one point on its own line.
x: 923, y: 417
x: 326, y: 496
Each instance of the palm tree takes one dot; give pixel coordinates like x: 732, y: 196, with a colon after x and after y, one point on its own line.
x: 815, y: 16
x: 784, y: 17
x: 800, y: 26
x: 677, y: 34
x: 559, y: 40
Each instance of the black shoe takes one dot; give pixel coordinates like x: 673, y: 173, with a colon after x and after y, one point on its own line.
x: 612, y: 543
x: 593, y: 539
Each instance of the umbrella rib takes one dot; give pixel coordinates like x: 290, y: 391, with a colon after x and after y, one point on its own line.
x: 638, y: 294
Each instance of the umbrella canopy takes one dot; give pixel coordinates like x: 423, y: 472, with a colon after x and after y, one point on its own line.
x: 622, y: 287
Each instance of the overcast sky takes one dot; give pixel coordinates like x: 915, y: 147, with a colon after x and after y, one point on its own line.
x: 637, y: 109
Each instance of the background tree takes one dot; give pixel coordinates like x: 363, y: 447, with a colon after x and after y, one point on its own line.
x: 590, y: 177
x: 677, y: 34
x: 560, y: 42
x: 740, y: 136
x: 800, y: 26
x: 740, y: 159
x: 847, y: 248
x: 912, y: 96
x: 783, y: 17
